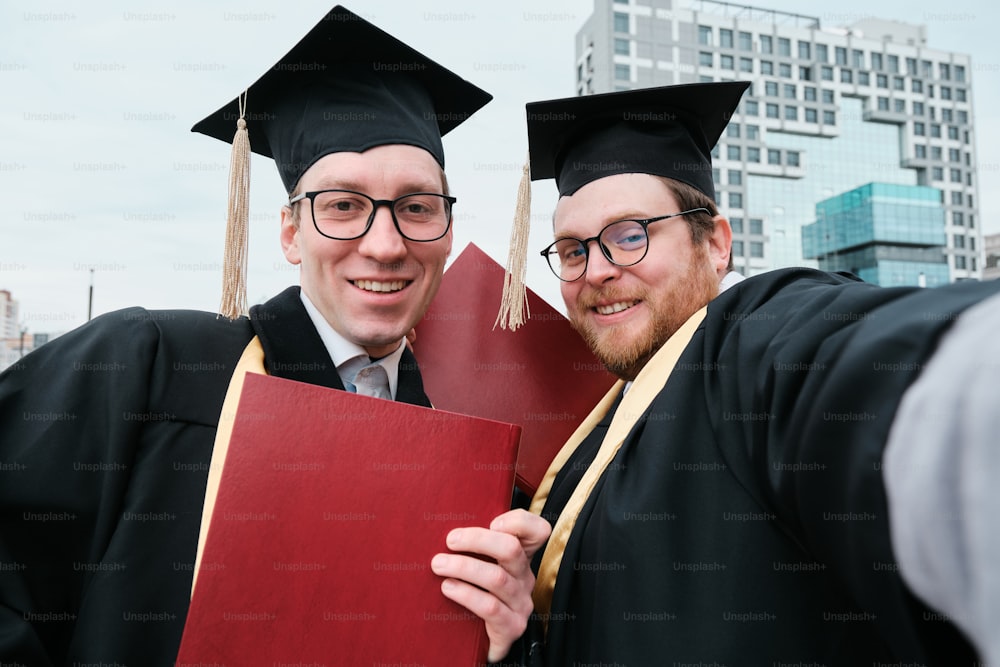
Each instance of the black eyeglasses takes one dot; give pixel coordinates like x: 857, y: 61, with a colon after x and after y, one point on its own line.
x: 623, y: 243
x: 345, y: 215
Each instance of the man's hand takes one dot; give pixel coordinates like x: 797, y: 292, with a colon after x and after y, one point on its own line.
x: 498, y: 592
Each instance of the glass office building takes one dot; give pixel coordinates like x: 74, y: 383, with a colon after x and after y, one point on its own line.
x: 829, y: 110
x: 888, y: 234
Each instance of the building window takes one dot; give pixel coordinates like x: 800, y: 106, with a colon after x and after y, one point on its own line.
x: 930, y: 90
x: 919, y: 129
x: 893, y: 64
x: 623, y: 72
x: 736, y: 223
x: 771, y: 88
x: 805, y: 73
x: 725, y: 38
x: 960, y: 94
x: 936, y: 153
x: 751, y: 108
x: 928, y: 68
x: 829, y: 118
x: 937, y: 174
x: 621, y: 46
x: 840, y: 55
x: 705, y: 35
x: 954, y: 155
x: 956, y: 175
x: 821, y: 53
x: 898, y: 83
x: 858, y: 59
x: 766, y: 44
x: 791, y: 113
x: 959, y: 261
x: 864, y: 79
x: 725, y: 62
x: 733, y: 152
x: 756, y: 249
x: 877, y: 61
x: 812, y: 116
x: 960, y: 73
x: 753, y: 132
x: 746, y: 64
x: 792, y: 158
x: 706, y: 59
x: 945, y: 70
x: 621, y: 22
x: 735, y: 200
x: 789, y: 91
x: 753, y: 154
x: 958, y: 241
x: 899, y: 106
x: 746, y: 41
x: 737, y: 248
x: 846, y: 76
x: 945, y: 93
x: 917, y: 85
x: 918, y: 108
x: 773, y: 156
x: 771, y: 110
x: 919, y: 150
x: 784, y: 46
x: 827, y: 96
x: 733, y: 131
x: 766, y: 67
x: 911, y: 66
x: 785, y: 70
x: 953, y: 132
x: 805, y: 49
x: 809, y: 93
x: 963, y: 117
x: 735, y: 177
x: 936, y: 130
x: 957, y: 218
x: 756, y: 226
x: 826, y: 73
x: 881, y: 80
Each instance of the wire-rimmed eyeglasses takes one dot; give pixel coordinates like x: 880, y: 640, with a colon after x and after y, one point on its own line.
x: 345, y: 215
x: 623, y: 243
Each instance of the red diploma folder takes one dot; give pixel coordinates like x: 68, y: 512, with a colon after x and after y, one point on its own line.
x: 542, y: 376
x: 330, y: 508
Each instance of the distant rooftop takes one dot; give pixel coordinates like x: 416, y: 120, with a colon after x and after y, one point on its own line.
x: 754, y: 13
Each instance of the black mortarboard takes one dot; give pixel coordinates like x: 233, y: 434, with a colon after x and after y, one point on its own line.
x: 346, y: 86
x: 668, y: 131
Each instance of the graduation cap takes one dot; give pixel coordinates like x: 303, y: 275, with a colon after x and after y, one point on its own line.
x: 668, y: 131
x: 346, y: 86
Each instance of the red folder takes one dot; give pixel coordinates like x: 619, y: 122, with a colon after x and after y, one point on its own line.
x: 542, y: 376
x: 330, y: 508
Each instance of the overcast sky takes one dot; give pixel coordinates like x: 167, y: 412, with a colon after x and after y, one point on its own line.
x: 98, y: 167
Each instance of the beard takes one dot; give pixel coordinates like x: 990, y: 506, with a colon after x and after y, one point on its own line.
x: 624, y: 349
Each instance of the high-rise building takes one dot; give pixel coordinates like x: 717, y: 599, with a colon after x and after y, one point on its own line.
x: 991, y: 250
x: 829, y: 110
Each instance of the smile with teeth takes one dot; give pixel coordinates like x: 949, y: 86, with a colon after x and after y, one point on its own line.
x: 615, y: 307
x: 378, y: 286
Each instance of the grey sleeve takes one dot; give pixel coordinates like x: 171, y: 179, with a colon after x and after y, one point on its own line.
x: 942, y: 475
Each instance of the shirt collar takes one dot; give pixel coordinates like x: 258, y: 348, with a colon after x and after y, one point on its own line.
x: 348, y: 356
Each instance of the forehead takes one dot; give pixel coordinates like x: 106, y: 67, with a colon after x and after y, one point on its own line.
x: 392, y: 165
x: 612, y: 198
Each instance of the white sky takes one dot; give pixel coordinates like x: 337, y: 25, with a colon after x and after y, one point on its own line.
x: 98, y: 166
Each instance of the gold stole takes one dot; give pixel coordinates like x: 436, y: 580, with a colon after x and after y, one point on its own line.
x: 252, y: 361
x: 647, y: 385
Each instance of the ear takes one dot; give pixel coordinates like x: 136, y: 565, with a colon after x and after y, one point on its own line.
x: 290, y: 237
x: 720, y: 244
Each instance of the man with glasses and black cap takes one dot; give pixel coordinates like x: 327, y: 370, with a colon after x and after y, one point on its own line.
x: 724, y: 504
x: 353, y: 119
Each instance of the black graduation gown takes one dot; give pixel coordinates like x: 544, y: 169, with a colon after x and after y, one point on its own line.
x: 743, y: 521
x: 106, y: 436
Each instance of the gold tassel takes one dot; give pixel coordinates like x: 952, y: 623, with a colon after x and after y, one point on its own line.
x: 514, y: 302
x: 234, y: 263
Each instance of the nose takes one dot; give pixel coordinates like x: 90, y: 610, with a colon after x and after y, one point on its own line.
x: 599, y: 268
x: 383, y: 242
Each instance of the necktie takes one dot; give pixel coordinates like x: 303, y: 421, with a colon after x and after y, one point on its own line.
x: 372, y: 381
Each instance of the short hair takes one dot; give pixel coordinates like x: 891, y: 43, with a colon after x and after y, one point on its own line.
x: 700, y: 223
